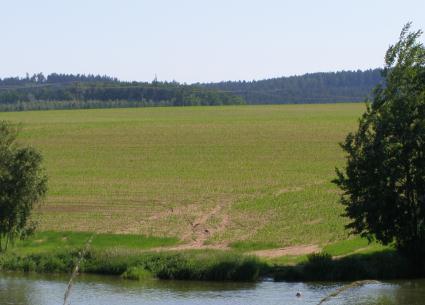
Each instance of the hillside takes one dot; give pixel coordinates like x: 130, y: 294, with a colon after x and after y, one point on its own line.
x: 330, y: 87
x: 252, y: 177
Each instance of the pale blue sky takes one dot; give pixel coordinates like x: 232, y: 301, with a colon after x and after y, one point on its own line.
x: 191, y: 41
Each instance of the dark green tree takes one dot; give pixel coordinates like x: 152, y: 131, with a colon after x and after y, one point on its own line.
x: 23, y: 183
x: 384, y: 177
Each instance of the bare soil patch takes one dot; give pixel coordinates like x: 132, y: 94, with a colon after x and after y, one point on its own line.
x: 293, y: 250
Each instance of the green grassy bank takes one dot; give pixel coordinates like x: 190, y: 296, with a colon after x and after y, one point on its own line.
x: 129, y: 256
x: 212, y: 265
x: 132, y: 257
x: 51, y: 241
x: 200, y: 265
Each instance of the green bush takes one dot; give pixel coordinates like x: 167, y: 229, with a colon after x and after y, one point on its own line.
x: 321, y: 267
x: 137, y: 273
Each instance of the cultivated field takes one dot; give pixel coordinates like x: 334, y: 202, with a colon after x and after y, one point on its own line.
x: 249, y: 177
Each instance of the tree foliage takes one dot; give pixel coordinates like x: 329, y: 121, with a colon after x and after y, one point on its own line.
x: 23, y: 183
x: 325, y: 87
x: 94, y: 91
x: 63, y: 91
x: 384, y: 178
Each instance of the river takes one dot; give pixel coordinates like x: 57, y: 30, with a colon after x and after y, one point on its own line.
x: 25, y: 289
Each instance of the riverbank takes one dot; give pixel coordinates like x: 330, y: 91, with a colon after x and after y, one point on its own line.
x: 214, y: 265
x: 129, y: 256
x: 211, y: 265
x: 382, y: 265
x: 139, y: 257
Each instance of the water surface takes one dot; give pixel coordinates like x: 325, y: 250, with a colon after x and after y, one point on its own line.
x: 21, y: 289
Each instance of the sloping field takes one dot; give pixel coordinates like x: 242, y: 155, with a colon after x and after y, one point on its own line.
x: 252, y: 177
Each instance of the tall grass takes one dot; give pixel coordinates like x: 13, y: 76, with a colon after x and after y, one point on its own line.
x: 192, y: 265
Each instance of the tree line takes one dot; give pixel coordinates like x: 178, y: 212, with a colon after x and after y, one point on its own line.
x: 94, y: 91
x: 326, y: 87
x: 54, y: 78
x: 68, y: 91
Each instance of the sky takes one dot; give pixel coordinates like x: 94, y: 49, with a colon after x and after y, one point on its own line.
x: 199, y: 40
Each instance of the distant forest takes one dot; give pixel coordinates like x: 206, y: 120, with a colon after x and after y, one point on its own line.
x: 329, y: 87
x: 65, y: 91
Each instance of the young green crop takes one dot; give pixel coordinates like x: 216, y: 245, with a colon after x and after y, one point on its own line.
x: 250, y: 176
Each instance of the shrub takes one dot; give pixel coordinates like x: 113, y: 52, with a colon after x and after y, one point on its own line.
x: 137, y: 273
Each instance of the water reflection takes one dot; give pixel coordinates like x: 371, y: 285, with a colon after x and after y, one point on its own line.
x: 19, y: 289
